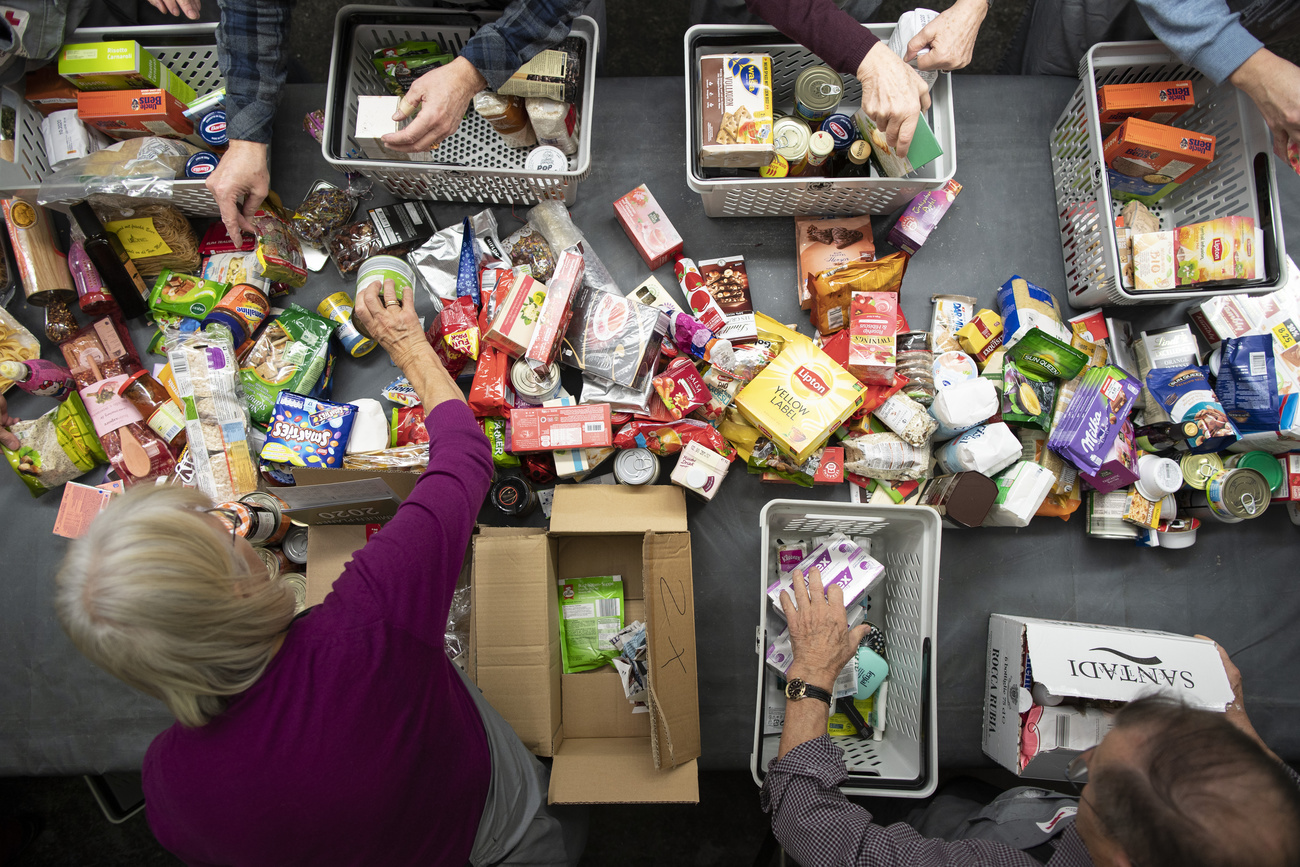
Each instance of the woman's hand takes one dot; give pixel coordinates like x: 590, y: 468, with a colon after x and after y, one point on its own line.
x: 393, y: 324
x: 950, y: 38
x: 893, y: 95
x: 441, y: 97
x: 820, y: 639
x: 188, y: 8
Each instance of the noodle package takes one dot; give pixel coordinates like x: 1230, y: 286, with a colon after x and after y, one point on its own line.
x: 290, y: 355
x: 156, y: 237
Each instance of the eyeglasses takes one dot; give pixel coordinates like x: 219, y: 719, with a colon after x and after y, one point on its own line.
x: 1077, y: 770
x: 231, y: 519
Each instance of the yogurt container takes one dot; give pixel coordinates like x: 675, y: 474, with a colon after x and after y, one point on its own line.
x: 381, y: 269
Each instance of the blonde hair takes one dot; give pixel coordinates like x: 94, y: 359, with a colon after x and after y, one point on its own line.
x: 157, y: 596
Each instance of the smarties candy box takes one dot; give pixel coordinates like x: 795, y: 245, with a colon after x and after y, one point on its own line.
x: 306, y: 432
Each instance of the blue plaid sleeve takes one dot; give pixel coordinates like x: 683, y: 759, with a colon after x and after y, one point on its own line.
x: 525, y: 29
x: 253, y: 50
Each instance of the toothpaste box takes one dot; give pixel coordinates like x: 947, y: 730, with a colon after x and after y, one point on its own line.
x: 119, y: 66
x: 546, y: 428
x: 1156, y: 101
x: 1147, y: 161
x: 1094, y: 417
x: 921, y: 216
x: 126, y: 114
x: 841, y: 563
x: 873, y: 327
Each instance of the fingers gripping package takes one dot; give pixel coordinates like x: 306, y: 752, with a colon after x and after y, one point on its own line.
x: 842, y: 563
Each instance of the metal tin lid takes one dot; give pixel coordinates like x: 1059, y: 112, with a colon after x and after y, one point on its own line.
x: 513, y: 496
x: 821, y: 144
x: 859, y: 152
x: 1244, y: 493
x: 818, y: 88
x: 272, y: 562
x: 1197, y: 469
x: 294, y: 544
x: 527, y: 384
x: 200, y: 165
x: 546, y: 158
x: 636, y: 467
x: 841, y: 129
x: 791, y: 135
x: 1266, y: 465
x: 212, y: 128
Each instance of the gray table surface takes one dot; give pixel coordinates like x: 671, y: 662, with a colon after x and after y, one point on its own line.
x: 59, y: 714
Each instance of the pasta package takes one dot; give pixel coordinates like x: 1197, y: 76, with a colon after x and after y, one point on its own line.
x: 278, y: 254
x: 216, y: 421
x: 55, y: 448
x: 156, y: 237
x: 289, y: 355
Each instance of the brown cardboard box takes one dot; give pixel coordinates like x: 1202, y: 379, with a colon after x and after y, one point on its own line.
x: 603, y: 753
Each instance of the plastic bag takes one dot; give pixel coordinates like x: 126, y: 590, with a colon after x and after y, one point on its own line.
x: 494, y: 428
x: 490, y: 392
x: 159, y: 236
x: 669, y: 438
x: 55, y: 448
x: 552, y: 219
x: 278, y: 254
x: 290, y: 354
x: 411, y: 458
x: 764, y: 457
x: 408, y: 427
x: 325, y: 208
x: 117, y: 421
x: 591, y: 613
x: 620, y: 398
x: 136, y: 168
x: 528, y: 248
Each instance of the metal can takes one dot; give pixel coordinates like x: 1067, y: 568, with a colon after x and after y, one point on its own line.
x: 817, y: 93
x: 274, y: 523
x: 380, y: 269
x: 791, y: 135
x: 338, y: 307
x: 513, y: 497
x: 841, y: 130
x: 200, y: 165
x: 298, y: 583
x: 777, y: 168
x: 271, y: 558
x: 530, y: 387
x: 1235, y: 495
x: 1197, y: 469
x: 212, y: 128
x: 636, y: 467
x: 294, y: 544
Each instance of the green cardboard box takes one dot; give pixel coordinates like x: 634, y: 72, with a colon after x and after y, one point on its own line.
x: 924, y: 149
x: 119, y: 66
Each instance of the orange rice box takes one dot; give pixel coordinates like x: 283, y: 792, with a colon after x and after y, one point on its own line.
x: 873, y: 324
x: 1156, y: 101
x: 124, y: 114
x: 1147, y: 161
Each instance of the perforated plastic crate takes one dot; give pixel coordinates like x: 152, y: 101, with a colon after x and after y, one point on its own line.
x: 189, y: 50
x: 905, y: 605
x: 486, y: 169
x: 783, y: 197
x: 1240, y: 181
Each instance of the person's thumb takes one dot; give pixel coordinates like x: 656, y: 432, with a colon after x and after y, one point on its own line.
x: 920, y: 42
x: 9, y: 440
x: 857, y: 633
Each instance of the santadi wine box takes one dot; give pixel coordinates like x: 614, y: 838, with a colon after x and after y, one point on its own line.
x: 1082, y: 661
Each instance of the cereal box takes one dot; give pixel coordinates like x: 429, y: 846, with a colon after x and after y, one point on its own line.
x: 1147, y: 161
x: 1156, y: 101
x: 873, y: 323
x: 800, y: 398
x: 647, y: 226
x: 124, y: 114
x: 736, y: 110
x: 118, y: 66
x: 1222, y: 249
x: 824, y: 243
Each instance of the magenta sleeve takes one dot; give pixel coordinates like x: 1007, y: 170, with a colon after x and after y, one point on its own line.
x: 820, y: 26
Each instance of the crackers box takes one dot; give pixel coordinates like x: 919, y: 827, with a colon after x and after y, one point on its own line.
x: 1155, y: 101
x: 736, y: 111
x: 1147, y: 161
x: 125, y: 114
x: 823, y: 243
x: 122, y: 65
x: 545, y: 428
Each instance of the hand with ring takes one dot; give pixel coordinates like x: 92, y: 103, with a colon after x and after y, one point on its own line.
x: 392, y: 323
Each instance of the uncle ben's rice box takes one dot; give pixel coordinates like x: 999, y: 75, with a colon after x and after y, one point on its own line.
x: 800, y: 398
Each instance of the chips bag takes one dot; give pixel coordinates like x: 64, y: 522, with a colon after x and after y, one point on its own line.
x: 408, y: 427
x: 489, y: 393
x: 290, y: 355
x: 669, y: 438
x: 591, y: 613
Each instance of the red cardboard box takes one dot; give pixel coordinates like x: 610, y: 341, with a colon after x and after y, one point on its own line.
x: 546, y: 428
x: 647, y: 226
x: 126, y: 114
x: 873, y: 326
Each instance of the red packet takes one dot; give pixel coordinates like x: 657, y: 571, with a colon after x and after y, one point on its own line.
x: 670, y: 438
x: 489, y: 394
x: 458, y: 326
x: 408, y: 426
x: 681, y: 388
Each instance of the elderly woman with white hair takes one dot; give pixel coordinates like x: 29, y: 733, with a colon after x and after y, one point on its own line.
x: 344, y: 735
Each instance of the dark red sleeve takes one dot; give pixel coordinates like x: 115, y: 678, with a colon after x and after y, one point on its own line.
x: 820, y: 26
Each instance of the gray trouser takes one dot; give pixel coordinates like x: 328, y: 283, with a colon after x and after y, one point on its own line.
x: 518, y: 828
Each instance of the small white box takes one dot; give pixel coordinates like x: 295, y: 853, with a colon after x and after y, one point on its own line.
x: 374, y: 121
x: 1082, y: 660
x: 700, y: 470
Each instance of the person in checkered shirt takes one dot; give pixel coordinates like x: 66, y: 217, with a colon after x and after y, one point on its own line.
x: 1169, y: 785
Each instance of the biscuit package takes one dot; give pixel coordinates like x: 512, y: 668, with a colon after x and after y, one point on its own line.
x: 736, y: 111
x: 824, y: 243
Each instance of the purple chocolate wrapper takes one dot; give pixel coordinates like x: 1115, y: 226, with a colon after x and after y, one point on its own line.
x: 921, y: 217
x: 1091, y: 422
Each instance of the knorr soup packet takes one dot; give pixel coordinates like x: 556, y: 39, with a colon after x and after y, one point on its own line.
x: 591, y: 613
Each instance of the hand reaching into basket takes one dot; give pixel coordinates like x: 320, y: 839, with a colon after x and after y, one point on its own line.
x: 1274, y: 85
x: 820, y: 639
x: 440, y: 97
x: 893, y: 95
x: 950, y: 38
x: 241, y: 175
x: 7, y: 439
x: 188, y: 8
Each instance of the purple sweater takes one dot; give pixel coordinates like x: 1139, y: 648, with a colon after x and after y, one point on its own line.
x: 360, y: 743
x: 820, y: 26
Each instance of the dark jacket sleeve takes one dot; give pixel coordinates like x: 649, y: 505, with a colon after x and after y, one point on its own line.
x: 253, y: 50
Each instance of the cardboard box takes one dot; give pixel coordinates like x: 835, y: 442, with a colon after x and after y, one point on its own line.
x: 1080, y: 660
x: 602, y: 751
x: 1119, y: 467
x: 824, y: 243
x: 1155, y: 101
x: 512, y: 328
x: 921, y: 217
x: 736, y: 110
x: 1226, y: 316
x: 727, y: 280
x: 545, y: 428
x: 1222, y: 249
x: 48, y: 92
x: 873, y: 327
x: 647, y: 226
x: 359, y: 498
x: 557, y: 309
x: 1147, y: 161
x: 1154, y: 263
x: 118, y: 66
x: 700, y: 470
x: 125, y: 114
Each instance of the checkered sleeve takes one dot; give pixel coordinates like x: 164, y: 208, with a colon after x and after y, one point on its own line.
x: 816, y: 824
x: 525, y: 29
x: 253, y: 50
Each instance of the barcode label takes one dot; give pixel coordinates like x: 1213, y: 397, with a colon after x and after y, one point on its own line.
x: 606, y: 607
x: 1062, y: 730
x: 594, y: 426
x: 1258, y: 364
x: 562, y: 437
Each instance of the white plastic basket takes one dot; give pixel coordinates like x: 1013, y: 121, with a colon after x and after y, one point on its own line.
x: 189, y: 50
x: 783, y: 197
x: 905, y: 605
x: 491, y: 171
x: 1240, y: 181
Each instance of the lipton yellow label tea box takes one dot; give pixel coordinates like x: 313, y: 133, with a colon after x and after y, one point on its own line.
x: 800, y: 399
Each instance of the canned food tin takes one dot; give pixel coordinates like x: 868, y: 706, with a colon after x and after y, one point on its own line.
x: 841, y: 130
x: 636, y: 467
x: 380, y: 269
x: 272, y: 559
x: 532, y: 388
x: 338, y: 308
x: 817, y: 93
x: 791, y: 135
x: 777, y: 168
x: 513, y: 497
x: 298, y: 583
x: 294, y: 544
x: 270, y: 509
x: 1235, y: 495
x: 1197, y: 469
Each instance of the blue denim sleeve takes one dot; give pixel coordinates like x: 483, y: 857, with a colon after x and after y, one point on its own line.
x: 525, y: 29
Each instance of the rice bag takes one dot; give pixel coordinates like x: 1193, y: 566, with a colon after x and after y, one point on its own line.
x: 305, y: 432
x: 55, y: 448
x: 591, y: 613
x: 1247, y: 383
x: 290, y: 355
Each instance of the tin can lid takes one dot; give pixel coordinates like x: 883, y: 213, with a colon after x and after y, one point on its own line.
x: 546, y: 158
x: 1245, y: 493
x: 636, y: 467
x: 512, y: 496
x: 294, y: 544
x: 819, y: 88
x: 791, y: 135
x: 1265, y: 464
x: 1197, y: 469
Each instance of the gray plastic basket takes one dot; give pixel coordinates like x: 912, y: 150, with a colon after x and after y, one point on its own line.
x: 906, y: 539
x: 189, y: 50
x: 783, y: 197
x: 1241, y: 181
x: 489, y: 171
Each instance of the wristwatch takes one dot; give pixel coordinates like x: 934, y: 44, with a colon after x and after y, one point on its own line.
x: 796, y: 689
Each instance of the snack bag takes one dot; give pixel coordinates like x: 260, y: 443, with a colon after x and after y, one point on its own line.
x: 1186, y: 395
x: 591, y: 613
x: 669, y: 438
x: 290, y: 355
x: 56, y: 448
x: 494, y: 428
x: 308, y: 433
x: 490, y: 394
x: 185, y: 295
x: 1247, y: 383
x: 722, y: 388
x: 832, y: 294
x: 408, y: 427
x: 278, y: 254
x: 458, y: 326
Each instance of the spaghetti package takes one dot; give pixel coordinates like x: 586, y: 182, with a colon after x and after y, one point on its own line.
x: 156, y: 237
x: 55, y: 448
x: 289, y: 355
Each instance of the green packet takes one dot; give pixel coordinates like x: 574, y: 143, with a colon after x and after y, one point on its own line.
x: 495, y: 429
x: 55, y: 448
x: 591, y: 613
x: 1026, y: 401
x: 1041, y: 356
x: 185, y: 294
x: 290, y: 354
